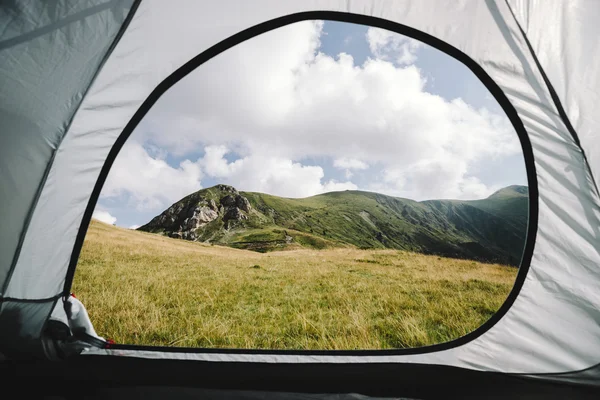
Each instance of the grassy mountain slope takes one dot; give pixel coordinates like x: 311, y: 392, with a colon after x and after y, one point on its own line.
x: 491, y: 229
x: 148, y: 289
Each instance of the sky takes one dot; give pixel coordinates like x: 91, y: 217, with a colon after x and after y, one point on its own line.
x: 314, y: 107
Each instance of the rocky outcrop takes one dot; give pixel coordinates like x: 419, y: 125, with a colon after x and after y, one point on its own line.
x: 242, y: 203
x: 201, y: 215
x: 232, y: 216
x: 188, y: 217
x: 234, y: 206
x: 228, y: 201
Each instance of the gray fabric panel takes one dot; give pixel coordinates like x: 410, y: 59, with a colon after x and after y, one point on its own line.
x: 21, y: 325
x: 49, y: 54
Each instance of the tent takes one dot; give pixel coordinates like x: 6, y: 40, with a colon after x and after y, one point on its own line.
x: 76, y: 77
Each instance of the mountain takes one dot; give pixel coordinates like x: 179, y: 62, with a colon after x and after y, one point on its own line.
x: 492, y: 229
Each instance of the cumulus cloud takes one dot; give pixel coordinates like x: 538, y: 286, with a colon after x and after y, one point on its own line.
x: 134, y: 226
x: 269, y: 173
x: 334, y: 186
x: 443, y: 177
x: 390, y: 46
x: 104, y: 216
x: 259, y: 111
x: 349, y: 163
x: 148, y: 182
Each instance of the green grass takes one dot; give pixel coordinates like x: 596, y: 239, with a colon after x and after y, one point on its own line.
x: 143, y: 288
x: 274, y: 238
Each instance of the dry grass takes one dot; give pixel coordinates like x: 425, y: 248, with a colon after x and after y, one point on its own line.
x: 141, y: 288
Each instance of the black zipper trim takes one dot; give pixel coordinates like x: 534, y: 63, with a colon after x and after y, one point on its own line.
x: 256, y: 30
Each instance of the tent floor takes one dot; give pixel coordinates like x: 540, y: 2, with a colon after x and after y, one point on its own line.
x: 101, y: 377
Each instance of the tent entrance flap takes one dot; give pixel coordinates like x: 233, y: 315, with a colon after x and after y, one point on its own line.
x: 69, y: 331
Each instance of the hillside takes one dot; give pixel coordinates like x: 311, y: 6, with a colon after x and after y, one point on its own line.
x: 491, y: 229
x: 148, y: 289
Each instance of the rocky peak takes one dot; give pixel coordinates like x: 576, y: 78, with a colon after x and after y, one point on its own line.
x: 226, y: 188
x: 186, y: 218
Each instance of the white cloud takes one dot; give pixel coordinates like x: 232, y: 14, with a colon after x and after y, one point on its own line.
x: 134, y: 226
x: 268, y: 173
x: 349, y: 163
x: 275, y: 102
x: 104, y: 216
x: 333, y: 186
x: 149, y: 183
x: 215, y: 164
x: 389, y: 46
x: 443, y: 177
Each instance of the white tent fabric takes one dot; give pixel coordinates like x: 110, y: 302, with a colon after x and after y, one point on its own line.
x: 553, y: 326
x: 564, y: 35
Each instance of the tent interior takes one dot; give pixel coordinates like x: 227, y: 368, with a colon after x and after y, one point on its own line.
x: 78, y: 77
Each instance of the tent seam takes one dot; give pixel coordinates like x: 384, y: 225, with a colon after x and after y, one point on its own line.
x: 18, y: 300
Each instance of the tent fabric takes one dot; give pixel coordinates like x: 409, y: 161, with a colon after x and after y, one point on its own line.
x: 552, y: 326
x: 49, y: 54
x: 568, y: 53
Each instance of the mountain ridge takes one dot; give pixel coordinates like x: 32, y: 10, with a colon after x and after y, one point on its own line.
x: 491, y: 229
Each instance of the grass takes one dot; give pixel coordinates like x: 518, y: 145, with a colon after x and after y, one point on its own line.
x: 142, y: 288
x: 274, y: 238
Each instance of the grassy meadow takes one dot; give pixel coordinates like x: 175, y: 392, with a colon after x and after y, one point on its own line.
x: 143, y: 288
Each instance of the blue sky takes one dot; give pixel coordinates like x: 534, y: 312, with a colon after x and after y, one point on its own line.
x: 316, y: 107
